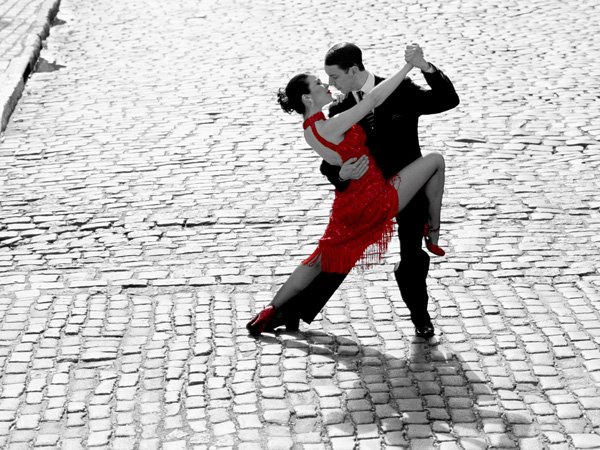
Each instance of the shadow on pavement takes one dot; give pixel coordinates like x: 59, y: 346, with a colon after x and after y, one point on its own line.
x: 364, y: 394
x: 45, y: 66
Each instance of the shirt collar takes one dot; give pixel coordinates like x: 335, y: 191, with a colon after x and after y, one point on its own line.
x: 368, y: 86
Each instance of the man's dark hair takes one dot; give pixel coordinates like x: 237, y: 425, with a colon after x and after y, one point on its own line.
x: 344, y: 55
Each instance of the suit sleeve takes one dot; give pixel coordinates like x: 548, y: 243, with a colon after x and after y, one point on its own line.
x: 439, y: 98
x: 332, y: 173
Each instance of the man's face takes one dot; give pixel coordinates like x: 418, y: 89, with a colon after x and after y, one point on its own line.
x: 343, y: 81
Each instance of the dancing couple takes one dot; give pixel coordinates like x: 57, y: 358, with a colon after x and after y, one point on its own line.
x: 372, y: 156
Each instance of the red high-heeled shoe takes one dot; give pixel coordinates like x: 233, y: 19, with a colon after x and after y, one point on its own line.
x: 259, y: 322
x: 432, y: 247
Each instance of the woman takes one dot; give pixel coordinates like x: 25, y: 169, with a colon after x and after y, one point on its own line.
x: 361, y: 221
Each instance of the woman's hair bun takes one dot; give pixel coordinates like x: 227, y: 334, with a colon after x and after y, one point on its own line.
x: 290, y: 98
x: 284, y: 101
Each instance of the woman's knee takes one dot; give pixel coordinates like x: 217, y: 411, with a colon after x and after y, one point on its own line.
x: 438, y: 160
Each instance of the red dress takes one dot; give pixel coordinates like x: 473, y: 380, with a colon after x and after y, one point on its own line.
x: 362, y: 217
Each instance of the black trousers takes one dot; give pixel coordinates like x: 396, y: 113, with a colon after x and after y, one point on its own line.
x: 411, y: 273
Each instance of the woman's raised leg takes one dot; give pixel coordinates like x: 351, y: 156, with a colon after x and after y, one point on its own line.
x: 428, y: 173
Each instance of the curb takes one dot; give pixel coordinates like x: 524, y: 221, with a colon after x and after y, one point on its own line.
x: 12, y: 82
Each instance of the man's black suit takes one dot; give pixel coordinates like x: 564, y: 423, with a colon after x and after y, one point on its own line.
x: 394, y: 144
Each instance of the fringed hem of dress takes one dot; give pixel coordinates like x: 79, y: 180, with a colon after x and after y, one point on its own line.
x: 341, y: 259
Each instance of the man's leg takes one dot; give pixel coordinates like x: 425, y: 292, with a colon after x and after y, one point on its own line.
x: 411, y: 274
x: 312, y: 299
x: 308, y: 302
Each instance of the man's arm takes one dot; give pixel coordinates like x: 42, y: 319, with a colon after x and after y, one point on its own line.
x: 340, y: 177
x: 410, y: 98
x: 333, y: 175
x: 441, y: 97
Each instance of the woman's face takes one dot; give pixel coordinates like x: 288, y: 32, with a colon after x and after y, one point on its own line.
x: 319, y: 91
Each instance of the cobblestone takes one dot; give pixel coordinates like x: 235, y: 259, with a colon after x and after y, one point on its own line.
x: 152, y: 197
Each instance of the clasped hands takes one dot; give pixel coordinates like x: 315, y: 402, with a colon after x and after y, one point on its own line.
x: 354, y: 169
x: 414, y: 55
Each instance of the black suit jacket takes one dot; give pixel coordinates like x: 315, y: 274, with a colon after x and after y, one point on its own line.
x: 394, y: 140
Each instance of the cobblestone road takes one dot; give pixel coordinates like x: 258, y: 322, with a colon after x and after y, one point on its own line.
x: 153, y: 196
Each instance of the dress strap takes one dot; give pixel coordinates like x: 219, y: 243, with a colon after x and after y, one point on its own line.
x: 312, y: 119
x: 310, y: 122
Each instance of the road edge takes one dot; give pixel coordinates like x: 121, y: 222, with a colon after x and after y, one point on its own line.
x: 12, y: 82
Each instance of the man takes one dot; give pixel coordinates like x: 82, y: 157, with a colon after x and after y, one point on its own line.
x: 392, y: 137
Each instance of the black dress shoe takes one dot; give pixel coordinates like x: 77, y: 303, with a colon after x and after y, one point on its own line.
x: 280, y: 320
x: 425, y: 331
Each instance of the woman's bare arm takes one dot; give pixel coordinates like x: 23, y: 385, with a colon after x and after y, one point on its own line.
x: 334, y: 128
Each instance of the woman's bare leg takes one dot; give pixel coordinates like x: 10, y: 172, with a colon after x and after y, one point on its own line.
x: 427, y: 172
x: 299, y: 280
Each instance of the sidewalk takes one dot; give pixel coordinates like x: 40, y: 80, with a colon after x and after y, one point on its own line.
x: 24, y: 24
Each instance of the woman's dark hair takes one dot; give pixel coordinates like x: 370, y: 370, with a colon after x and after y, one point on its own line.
x: 344, y: 55
x: 290, y: 98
